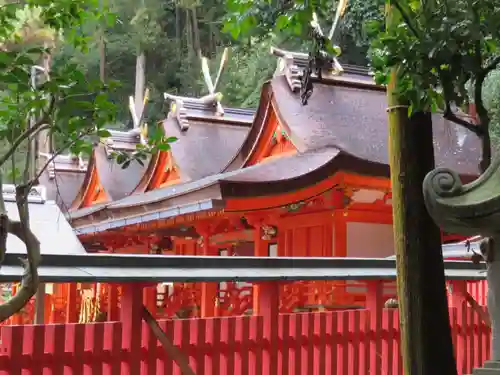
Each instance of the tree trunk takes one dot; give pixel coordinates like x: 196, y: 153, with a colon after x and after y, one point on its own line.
x: 189, y: 36
x: 140, y: 82
x: 196, y: 31
x: 426, y: 344
x: 427, y: 347
x: 178, y: 31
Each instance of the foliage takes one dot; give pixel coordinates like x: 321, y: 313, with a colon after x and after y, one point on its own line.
x: 69, y: 106
x: 440, y: 48
x: 289, y: 21
x: 491, y: 99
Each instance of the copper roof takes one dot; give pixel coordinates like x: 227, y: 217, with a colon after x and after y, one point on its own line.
x: 204, y: 149
x: 207, y: 146
x: 63, y: 179
x: 355, y: 121
x: 344, y: 127
x: 116, y: 181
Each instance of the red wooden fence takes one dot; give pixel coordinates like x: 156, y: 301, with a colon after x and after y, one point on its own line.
x: 343, y: 343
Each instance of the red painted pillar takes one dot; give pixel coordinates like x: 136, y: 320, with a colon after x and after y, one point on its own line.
x: 340, y: 250
x: 112, y: 303
x: 131, y: 318
x: 269, y: 310
x: 375, y: 303
x: 208, y: 289
x: 261, y: 249
x: 71, y: 313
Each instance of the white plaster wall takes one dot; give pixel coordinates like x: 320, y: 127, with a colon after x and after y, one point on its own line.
x: 368, y: 240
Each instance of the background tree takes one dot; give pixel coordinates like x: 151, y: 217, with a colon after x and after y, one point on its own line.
x: 442, y: 48
x: 68, y: 106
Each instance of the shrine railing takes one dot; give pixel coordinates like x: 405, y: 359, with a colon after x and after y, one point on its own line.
x: 350, y: 342
x: 216, y: 286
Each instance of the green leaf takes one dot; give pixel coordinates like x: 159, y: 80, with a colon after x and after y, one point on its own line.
x: 282, y: 22
x: 121, y: 158
x: 103, y: 133
x: 126, y: 164
x: 163, y: 147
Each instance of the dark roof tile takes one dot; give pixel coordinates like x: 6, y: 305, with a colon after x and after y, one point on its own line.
x: 355, y: 121
x: 205, y: 148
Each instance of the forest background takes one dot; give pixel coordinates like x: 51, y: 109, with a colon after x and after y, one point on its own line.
x: 170, y: 35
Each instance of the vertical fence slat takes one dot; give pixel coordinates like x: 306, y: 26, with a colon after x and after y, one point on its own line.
x: 295, y: 353
x: 319, y: 331
x: 94, y: 345
x: 476, y: 339
x: 54, y: 343
x: 387, y: 342
x: 12, y: 351
x: 307, y: 343
x: 151, y: 355
x: 113, y: 346
x: 216, y: 344
x: 34, y: 347
x: 224, y: 346
x: 75, y: 341
x: 332, y: 353
x: 244, y: 343
x: 286, y: 343
x: 364, y: 345
x: 468, y: 329
x: 197, y: 341
x: 255, y: 355
x: 485, y: 333
x: 355, y: 339
x: 342, y: 350
x: 396, y: 339
x: 167, y: 327
x: 179, y: 340
x: 232, y: 348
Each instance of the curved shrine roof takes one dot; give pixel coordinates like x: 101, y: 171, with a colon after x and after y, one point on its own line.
x: 204, y: 149
x: 63, y: 179
x: 209, y: 143
x: 343, y: 128
x: 116, y: 181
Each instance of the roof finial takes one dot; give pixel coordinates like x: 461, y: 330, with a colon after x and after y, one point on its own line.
x: 341, y: 7
x: 208, y: 78
x: 138, y: 118
x: 212, y: 99
x: 298, y: 67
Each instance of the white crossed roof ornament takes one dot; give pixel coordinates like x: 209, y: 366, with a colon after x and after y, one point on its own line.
x: 212, y: 86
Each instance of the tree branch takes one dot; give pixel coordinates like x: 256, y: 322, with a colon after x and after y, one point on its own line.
x: 28, y: 132
x: 407, y: 19
x: 21, y: 230
x: 450, y: 116
x: 34, y: 181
